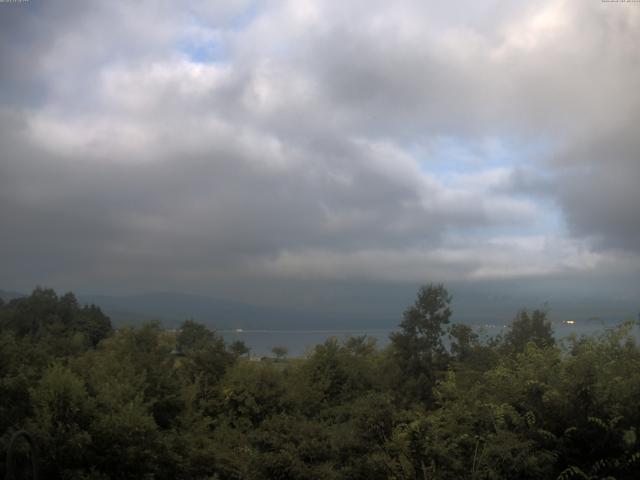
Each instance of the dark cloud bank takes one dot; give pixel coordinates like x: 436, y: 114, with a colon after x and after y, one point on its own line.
x: 302, y: 165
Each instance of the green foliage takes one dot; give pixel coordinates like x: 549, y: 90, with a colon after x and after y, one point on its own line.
x: 58, y: 324
x: 238, y: 348
x: 527, y: 328
x: 252, y: 393
x: 119, y: 405
x: 463, y: 341
x: 61, y: 419
x: 21, y: 366
x: 207, y: 357
x: 418, y: 346
x: 338, y: 373
x: 280, y: 352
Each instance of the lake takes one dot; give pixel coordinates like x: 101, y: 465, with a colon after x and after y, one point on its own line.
x: 301, y: 342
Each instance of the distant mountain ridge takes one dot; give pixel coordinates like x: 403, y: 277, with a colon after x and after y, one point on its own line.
x: 8, y: 295
x: 173, y: 308
x: 468, y: 307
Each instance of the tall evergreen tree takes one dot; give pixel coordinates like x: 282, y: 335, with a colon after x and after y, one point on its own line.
x: 418, y: 346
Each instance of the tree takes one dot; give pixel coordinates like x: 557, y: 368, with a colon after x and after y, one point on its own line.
x: 194, y: 336
x: 463, y: 341
x: 206, y: 353
x: 418, y: 346
x: 238, y: 348
x: 94, y: 324
x: 527, y: 328
x: 58, y: 324
x: 280, y: 352
x: 61, y: 420
x: 360, y: 345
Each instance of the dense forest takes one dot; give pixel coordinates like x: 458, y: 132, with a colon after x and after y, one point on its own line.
x: 438, y: 403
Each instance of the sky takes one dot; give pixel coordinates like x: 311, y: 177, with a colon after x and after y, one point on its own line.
x: 321, y: 154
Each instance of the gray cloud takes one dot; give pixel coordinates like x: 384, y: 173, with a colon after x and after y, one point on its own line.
x: 598, y: 186
x: 304, y: 151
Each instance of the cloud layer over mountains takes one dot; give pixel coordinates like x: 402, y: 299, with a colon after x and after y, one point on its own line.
x: 205, y: 145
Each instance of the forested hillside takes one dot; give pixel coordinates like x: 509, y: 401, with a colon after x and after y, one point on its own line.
x: 147, y: 403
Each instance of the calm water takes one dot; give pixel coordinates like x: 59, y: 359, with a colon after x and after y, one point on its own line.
x: 301, y: 342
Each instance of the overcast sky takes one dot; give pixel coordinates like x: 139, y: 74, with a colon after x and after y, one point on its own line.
x: 305, y: 152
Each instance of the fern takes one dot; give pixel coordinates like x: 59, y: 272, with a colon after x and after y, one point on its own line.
x: 598, y: 421
x: 547, y: 435
x: 572, y: 472
x: 530, y: 418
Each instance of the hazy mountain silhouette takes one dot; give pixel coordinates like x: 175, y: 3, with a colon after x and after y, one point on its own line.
x: 469, y: 306
x: 8, y: 295
x: 173, y: 308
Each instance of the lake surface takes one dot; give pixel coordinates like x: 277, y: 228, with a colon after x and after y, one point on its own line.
x: 297, y: 342
x: 301, y: 342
